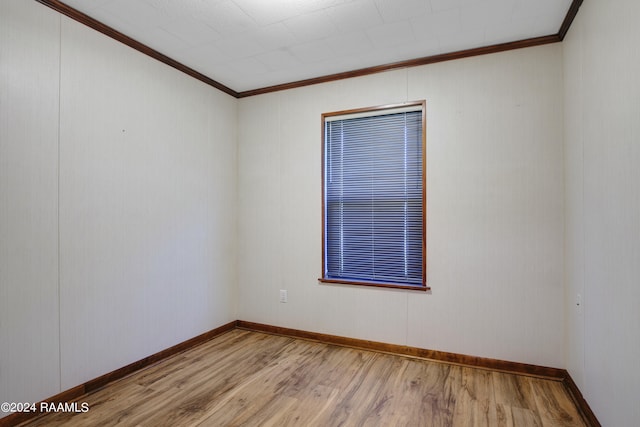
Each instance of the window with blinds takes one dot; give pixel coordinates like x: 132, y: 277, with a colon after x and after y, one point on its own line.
x: 373, y: 196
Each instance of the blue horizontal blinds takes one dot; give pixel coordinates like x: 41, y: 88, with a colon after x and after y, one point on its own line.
x: 373, y: 199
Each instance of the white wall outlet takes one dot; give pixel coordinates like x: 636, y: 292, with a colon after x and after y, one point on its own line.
x: 283, y: 295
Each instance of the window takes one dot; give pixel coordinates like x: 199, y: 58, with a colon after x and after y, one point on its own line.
x: 374, y: 196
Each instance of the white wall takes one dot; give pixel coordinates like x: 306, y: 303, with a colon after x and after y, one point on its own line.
x: 602, y: 146
x: 117, y: 202
x: 494, y: 218
x: 29, y: 317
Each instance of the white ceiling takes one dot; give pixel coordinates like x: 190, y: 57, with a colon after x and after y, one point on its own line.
x: 251, y: 44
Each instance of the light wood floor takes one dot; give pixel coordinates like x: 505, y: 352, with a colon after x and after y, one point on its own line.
x: 250, y: 378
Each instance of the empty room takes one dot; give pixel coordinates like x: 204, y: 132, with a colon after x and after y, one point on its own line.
x: 319, y: 212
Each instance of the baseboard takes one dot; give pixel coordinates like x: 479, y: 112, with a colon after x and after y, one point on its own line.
x: 585, y: 410
x: 440, y: 356
x: 561, y: 375
x: 101, y: 381
x: 403, y: 350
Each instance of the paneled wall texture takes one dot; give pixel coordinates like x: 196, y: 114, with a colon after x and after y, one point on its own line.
x: 117, y: 204
x: 140, y: 207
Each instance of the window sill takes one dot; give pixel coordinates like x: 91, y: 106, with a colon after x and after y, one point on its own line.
x: 375, y: 284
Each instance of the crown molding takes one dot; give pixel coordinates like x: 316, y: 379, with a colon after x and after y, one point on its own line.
x: 116, y: 35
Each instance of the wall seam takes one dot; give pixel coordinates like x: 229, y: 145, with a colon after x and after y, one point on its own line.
x: 585, y: 299
x: 58, y: 200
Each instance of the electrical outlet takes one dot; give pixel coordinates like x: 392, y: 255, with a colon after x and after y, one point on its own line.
x: 283, y: 295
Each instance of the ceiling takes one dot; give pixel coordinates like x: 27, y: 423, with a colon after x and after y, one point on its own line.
x: 252, y: 44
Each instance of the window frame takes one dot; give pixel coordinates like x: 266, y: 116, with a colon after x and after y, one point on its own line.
x: 378, y: 110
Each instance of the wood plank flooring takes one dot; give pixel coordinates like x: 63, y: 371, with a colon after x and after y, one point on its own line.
x: 244, y: 378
